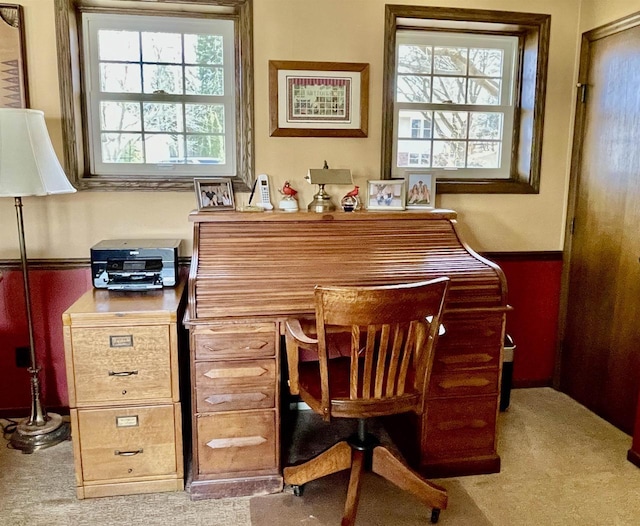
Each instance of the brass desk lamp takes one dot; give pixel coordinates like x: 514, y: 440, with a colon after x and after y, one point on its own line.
x: 322, y: 200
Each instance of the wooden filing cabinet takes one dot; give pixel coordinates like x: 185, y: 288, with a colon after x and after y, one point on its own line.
x: 121, y: 351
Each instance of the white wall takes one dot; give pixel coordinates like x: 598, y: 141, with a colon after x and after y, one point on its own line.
x: 331, y: 30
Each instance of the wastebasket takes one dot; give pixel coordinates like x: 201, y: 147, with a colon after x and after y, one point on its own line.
x: 507, y: 373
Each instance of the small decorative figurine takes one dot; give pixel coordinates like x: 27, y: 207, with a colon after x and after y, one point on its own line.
x: 351, y: 201
x: 288, y: 203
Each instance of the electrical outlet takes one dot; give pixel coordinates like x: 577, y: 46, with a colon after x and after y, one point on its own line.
x: 23, y: 359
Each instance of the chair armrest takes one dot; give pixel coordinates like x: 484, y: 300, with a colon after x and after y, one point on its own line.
x: 296, y: 339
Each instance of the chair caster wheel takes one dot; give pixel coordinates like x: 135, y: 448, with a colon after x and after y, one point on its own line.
x: 298, y: 490
x: 435, y: 515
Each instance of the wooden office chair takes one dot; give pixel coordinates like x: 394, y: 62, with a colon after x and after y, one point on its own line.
x: 393, y: 330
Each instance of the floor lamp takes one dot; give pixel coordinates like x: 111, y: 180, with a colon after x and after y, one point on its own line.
x: 29, y: 167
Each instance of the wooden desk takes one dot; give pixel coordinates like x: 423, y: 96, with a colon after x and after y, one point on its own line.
x: 250, y: 272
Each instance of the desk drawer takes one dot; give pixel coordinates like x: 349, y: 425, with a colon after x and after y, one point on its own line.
x: 121, y: 364
x: 225, y: 386
x: 235, y: 442
x: 127, y: 442
x: 464, y: 383
x: 231, y: 342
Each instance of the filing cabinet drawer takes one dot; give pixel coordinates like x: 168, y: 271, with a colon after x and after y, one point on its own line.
x: 121, y: 364
x: 235, y: 341
x: 129, y: 442
x: 235, y: 442
x: 464, y: 383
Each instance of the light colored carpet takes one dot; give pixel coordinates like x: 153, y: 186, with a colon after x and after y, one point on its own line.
x: 561, y: 465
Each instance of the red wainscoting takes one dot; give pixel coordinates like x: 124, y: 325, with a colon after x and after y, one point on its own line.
x: 534, y: 290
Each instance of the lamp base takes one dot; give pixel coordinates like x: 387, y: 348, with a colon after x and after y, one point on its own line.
x: 29, y: 438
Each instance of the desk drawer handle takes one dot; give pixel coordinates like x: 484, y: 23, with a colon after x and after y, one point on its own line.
x: 224, y: 398
x: 122, y: 373
x: 469, y: 382
x: 219, y: 443
x: 128, y: 453
x: 236, y: 372
x: 252, y: 346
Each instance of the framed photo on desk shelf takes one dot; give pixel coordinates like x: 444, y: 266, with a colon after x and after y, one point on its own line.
x: 214, y: 194
x: 386, y: 194
x: 421, y: 190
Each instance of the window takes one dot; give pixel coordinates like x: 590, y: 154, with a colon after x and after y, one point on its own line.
x: 167, y: 96
x: 458, y: 100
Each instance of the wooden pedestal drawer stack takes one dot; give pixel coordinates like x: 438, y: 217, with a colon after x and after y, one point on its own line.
x: 121, y: 351
x: 235, y: 371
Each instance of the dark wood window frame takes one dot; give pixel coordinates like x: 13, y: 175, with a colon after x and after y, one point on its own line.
x: 533, y: 32
x: 68, y: 34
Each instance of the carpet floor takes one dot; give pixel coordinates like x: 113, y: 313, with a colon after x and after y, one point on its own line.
x: 561, y: 465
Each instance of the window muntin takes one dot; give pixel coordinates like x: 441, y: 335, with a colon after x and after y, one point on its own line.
x: 161, y: 95
x: 464, y: 86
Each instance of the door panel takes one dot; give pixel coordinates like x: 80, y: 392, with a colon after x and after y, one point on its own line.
x: 601, y: 348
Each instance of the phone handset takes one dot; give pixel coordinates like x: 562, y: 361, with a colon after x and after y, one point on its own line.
x: 264, y: 195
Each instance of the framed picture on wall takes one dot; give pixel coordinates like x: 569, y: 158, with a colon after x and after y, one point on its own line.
x: 421, y: 190
x: 386, y: 194
x: 13, y: 76
x: 214, y: 194
x: 318, y: 99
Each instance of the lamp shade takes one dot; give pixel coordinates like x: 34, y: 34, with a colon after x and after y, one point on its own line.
x: 28, y: 163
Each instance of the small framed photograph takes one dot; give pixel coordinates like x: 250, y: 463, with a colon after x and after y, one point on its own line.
x: 214, y: 193
x: 421, y: 190
x: 387, y: 194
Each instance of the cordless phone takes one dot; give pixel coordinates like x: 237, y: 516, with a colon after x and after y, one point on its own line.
x: 264, y: 200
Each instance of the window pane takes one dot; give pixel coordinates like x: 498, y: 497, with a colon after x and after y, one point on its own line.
x: 414, y: 153
x: 121, y: 147
x: 449, y: 89
x: 485, y: 62
x: 164, y: 147
x: 414, y: 59
x: 119, y: 45
x: 449, y: 154
x: 484, y: 91
x: 483, y: 154
x: 120, y: 78
x: 162, y: 47
x: 203, y: 49
x: 409, y: 121
x: 162, y: 78
x: 412, y: 88
x: 205, y: 118
x: 451, y: 60
x: 123, y: 116
x: 204, y: 80
x: 485, y: 125
x: 206, y: 149
x: 163, y: 117
x: 450, y: 124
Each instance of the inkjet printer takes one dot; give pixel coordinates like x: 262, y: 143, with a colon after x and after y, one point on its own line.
x: 135, y: 264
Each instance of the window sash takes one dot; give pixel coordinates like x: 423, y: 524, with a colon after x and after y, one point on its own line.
x: 93, y: 23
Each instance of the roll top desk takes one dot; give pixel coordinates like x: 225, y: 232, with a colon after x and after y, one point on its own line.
x: 250, y: 272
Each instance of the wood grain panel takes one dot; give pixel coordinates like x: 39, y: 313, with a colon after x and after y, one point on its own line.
x: 109, y: 369
x: 112, y: 447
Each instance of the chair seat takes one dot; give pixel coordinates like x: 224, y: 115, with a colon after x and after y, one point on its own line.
x: 342, y: 406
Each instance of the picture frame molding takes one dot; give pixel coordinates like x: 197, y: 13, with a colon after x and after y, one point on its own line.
x: 387, y: 182
x: 200, y: 183
x: 278, y: 99
x: 12, y: 15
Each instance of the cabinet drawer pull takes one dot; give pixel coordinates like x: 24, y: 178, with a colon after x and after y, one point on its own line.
x: 224, y: 398
x: 236, y: 372
x: 128, y: 453
x: 255, y: 345
x: 122, y: 373
x: 219, y: 443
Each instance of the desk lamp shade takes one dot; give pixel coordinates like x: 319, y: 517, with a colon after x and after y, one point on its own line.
x: 28, y: 163
x: 29, y: 167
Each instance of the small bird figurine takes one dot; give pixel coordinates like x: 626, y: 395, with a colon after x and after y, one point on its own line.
x: 353, y: 192
x: 288, y: 190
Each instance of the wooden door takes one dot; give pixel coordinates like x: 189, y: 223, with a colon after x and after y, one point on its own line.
x: 600, y: 361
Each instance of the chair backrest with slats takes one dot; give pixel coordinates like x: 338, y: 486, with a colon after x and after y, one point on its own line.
x: 393, y: 332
